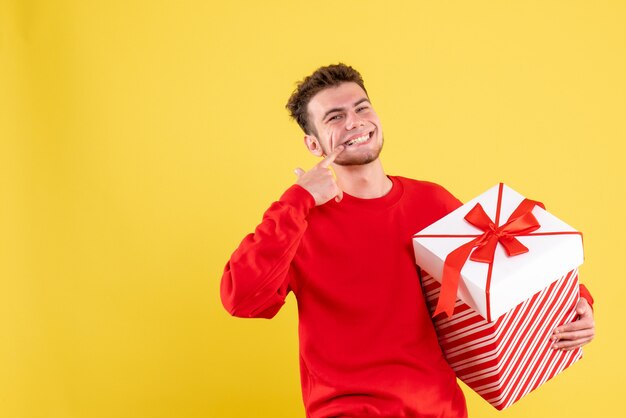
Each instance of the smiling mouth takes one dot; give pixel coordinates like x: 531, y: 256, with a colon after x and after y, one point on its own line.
x: 359, y: 140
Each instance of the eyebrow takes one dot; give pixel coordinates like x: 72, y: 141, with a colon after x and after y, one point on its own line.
x: 338, y: 109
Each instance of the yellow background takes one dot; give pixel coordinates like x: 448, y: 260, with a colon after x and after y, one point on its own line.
x: 141, y: 140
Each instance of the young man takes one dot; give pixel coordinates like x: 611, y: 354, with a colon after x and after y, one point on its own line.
x: 342, y: 244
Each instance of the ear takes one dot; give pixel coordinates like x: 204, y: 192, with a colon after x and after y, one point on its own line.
x: 313, y: 145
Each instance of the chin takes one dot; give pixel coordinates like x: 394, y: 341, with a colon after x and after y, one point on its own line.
x: 362, y: 159
x: 359, y: 159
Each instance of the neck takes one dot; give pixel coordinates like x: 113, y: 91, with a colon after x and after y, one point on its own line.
x: 367, y: 181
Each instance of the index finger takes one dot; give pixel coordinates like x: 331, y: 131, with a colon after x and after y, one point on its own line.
x: 580, y: 324
x: 326, y: 162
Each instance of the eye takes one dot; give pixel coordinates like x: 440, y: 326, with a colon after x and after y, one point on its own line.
x: 336, y: 117
x: 361, y: 108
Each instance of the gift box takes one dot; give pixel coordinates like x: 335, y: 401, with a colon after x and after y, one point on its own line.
x: 504, y: 274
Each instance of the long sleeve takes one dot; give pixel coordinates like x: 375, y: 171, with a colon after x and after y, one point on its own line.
x: 256, y: 278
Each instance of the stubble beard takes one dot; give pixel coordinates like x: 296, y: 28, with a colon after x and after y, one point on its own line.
x: 361, y: 159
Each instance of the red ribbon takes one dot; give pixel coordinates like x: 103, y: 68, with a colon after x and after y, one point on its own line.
x: 521, y: 222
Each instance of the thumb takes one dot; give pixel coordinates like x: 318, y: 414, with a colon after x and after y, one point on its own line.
x: 582, y: 307
x: 299, y: 172
x: 339, y: 196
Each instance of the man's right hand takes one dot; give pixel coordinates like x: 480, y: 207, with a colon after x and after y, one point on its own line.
x: 319, y: 180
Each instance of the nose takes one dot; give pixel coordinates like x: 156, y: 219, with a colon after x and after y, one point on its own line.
x: 353, y: 120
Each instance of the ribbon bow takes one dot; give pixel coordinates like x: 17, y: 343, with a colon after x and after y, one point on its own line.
x: 521, y: 222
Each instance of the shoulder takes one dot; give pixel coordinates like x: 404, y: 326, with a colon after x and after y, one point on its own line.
x: 428, y: 193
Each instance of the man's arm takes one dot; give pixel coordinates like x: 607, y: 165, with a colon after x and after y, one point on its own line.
x: 256, y: 278
x: 580, y: 332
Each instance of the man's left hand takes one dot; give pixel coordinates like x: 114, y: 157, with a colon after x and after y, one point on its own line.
x: 577, y: 333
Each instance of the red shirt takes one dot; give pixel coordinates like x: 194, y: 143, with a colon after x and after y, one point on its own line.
x: 367, y: 344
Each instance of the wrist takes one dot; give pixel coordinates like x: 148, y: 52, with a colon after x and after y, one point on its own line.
x: 299, y: 197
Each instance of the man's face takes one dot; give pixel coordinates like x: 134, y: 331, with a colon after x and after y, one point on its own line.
x: 343, y: 115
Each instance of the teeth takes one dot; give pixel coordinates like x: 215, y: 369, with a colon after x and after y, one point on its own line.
x: 359, y: 140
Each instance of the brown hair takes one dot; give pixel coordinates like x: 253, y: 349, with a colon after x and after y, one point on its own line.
x: 322, y: 78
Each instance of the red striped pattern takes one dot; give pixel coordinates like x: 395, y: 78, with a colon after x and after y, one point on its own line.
x: 505, y: 359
